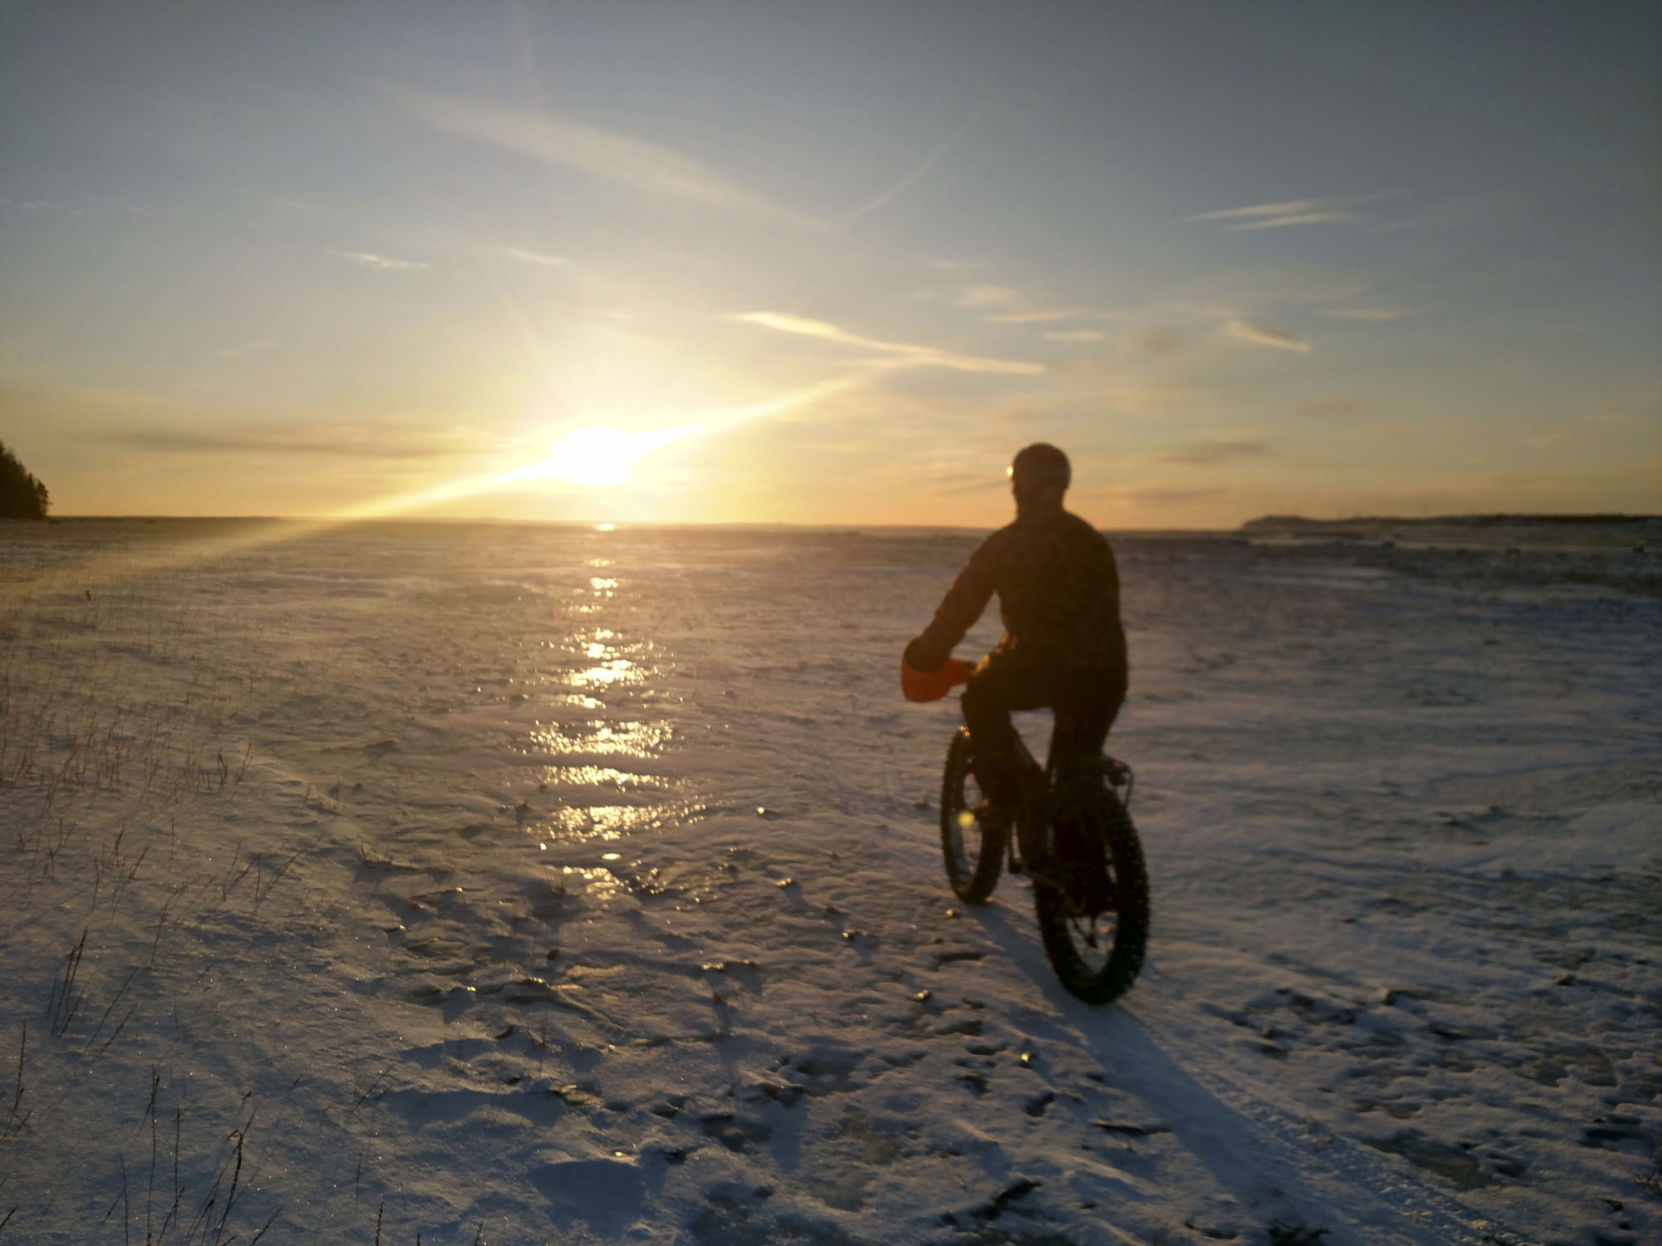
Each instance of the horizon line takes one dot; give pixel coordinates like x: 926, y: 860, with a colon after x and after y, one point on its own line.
x: 613, y: 524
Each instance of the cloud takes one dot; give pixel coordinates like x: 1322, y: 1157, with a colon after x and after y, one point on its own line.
x: 1012, y: 307
x: 603, y: 155
x: 1280, y: 215
x: 1331, y: 407
x: 1154, y: 495
x: 367, y: 442
x: 1207, y: 453
x: 1262, y: 335
x: 1301, y: 218
x: 537, y: 258
x: 44, y: 206
x: 904, y: 352
x: 971, y: 482
x: 1040, y: 315
x: 380, y: 263
x: 1588, y: 427
x: 900, y: 187
x: 1074, y: 335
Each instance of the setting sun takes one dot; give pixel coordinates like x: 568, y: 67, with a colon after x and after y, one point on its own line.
x: 602, y: 457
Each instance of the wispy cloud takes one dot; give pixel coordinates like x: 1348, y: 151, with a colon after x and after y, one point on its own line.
x: 1074, y: 335
x: 901, y: 352
x: 969, y: 482
x: 380, y: 263
x: 1155, y: 495
x: 1589, y: 427
x: 1039, y: 315
x: 1281, y: 215
x: 984, y: 296
x: 313, y: 440
x: 1004, y: 304
x: 1262, y: 335
x: 604, y: 155
x: 902, y: 186
x: 1300, y: 218
x: 537, y: 258
x: 43, y: 205
x: 1207, y: 453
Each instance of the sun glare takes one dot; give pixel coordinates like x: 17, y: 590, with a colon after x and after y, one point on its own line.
x: 601, y: 457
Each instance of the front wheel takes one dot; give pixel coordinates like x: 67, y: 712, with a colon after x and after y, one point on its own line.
x: 974, y: 851
x: 1092, y: 898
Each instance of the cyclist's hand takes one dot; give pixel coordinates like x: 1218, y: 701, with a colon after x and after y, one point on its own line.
x: 921, y: 656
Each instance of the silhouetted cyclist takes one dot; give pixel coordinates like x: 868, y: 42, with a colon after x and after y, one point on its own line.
x: 1064, y: 645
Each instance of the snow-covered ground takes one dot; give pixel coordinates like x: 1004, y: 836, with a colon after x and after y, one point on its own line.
x: 517, y: 884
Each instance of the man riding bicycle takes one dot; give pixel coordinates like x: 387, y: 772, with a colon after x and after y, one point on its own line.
x: 1063, y: 646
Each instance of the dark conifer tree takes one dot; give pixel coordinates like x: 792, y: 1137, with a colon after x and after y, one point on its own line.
x: 21, y: 495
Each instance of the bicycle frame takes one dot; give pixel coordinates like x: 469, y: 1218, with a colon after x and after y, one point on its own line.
x: 1040, y: 784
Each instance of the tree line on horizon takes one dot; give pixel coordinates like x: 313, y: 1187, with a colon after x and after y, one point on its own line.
x: 21, y: 495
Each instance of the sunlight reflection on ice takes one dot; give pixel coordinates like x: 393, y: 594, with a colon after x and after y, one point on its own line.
x: 596, y: 881
x: 602, y: 738
x: 599, y: 776
x: 604, y: 670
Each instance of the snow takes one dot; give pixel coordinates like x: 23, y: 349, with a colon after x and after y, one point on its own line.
x: 524, y: 884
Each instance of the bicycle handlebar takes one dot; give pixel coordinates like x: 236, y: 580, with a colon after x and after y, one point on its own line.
x: 918, y: 685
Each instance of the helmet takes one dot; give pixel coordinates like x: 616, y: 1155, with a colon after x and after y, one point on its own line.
x: 1036, y: 468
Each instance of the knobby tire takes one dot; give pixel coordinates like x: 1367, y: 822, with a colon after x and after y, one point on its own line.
x: 974, y: 854
x: 1096, y: 955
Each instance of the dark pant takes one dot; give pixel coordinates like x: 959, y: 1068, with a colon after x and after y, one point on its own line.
x: 1084, y: 698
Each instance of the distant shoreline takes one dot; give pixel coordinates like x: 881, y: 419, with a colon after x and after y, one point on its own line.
x: 1299, y: 523
x: 1505, y: 532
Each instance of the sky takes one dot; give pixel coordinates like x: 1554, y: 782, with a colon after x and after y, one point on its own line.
x: 831, y: 263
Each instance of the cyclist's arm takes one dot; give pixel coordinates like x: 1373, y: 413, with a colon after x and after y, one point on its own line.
x: 958, y: 611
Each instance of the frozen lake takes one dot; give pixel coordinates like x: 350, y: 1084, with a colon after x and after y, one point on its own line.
x: 529, y: 884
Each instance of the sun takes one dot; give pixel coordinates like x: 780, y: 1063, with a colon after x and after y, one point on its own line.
x: 599, y: 457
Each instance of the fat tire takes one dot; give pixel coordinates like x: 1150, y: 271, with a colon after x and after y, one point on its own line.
x: 1130, y: 888
x: 972, y: 875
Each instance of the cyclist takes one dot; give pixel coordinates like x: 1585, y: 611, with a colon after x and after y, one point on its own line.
x: 1063, y: 646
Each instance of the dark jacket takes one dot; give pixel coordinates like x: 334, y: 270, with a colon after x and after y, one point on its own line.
x: 1058, y: 591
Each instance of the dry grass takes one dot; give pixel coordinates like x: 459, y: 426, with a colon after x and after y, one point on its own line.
x: 117, y: 729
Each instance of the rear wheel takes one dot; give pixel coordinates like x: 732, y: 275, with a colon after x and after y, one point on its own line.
x: 974, y: 852
x: 1092, y: 898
